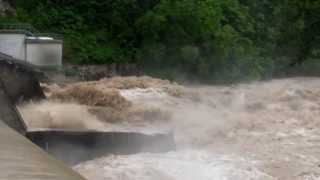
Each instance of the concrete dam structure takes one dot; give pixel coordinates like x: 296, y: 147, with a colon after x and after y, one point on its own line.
x: 22, y: 151
x: 20, y: 159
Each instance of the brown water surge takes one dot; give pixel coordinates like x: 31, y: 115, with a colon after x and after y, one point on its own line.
x: 261, y: 130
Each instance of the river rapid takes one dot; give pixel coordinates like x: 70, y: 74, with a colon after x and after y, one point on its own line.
x: 256, y: 131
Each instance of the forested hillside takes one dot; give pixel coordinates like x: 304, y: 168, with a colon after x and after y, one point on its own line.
x: 211, y: 40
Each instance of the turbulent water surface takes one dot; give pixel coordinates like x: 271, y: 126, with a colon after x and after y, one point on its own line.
x: 263, y: 130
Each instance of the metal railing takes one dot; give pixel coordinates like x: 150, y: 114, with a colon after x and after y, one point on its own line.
x: 29, y: 30
x: 52, y: 35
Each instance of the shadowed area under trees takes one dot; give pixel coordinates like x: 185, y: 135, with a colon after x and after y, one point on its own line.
x: 208, y: 40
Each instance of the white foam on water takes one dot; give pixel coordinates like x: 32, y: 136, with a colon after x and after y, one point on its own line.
x: 180, y: 165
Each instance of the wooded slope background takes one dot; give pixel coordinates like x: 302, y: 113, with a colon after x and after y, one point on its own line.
x: 208, y: 40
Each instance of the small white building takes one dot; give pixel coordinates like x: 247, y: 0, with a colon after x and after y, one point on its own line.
x: 37, y: 50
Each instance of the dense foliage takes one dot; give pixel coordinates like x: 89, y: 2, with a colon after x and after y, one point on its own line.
x: 203, y: 39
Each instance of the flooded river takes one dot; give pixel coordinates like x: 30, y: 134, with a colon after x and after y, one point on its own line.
x: 255, y: 131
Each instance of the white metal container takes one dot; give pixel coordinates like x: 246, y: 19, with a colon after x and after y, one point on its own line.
x: 39, y: 51
x: 44, y: 51
x: 13, y: 43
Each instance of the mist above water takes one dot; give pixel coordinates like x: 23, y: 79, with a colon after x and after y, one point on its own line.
x: 206, y: 113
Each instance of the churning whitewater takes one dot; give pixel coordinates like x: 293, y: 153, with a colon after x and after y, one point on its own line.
x: 256, y: 131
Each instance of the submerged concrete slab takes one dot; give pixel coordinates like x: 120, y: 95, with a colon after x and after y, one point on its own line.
x: 73, y: 146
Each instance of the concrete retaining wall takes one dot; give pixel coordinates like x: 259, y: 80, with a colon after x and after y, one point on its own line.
x: 20, y: 159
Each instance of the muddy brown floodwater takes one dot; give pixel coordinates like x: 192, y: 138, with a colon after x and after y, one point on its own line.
x: 259, y: 131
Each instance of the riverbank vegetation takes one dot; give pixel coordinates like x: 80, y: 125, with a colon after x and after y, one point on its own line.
x: 210, y: 40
